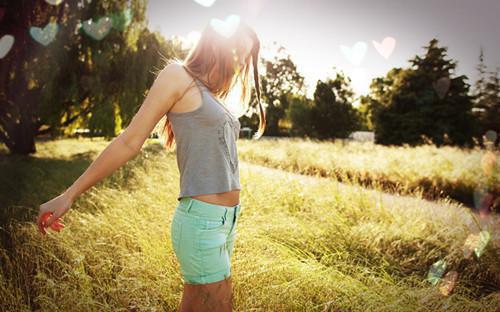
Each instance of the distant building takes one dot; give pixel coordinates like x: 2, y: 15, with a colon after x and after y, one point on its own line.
x: 81, y: 133
x: 362, y: 136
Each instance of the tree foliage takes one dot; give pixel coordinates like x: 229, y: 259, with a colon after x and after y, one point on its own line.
x: 487, y: 99
x: 280, y: 80
x: 77, y: 80
x: 333, y: 114
x: 423, y: 102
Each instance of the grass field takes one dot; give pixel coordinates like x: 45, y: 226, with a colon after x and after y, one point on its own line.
x: 434, y: 172
x: 304, y: 243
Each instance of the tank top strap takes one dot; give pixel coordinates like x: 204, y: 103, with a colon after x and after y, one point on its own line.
x: 206, y: 93
x: 200, y: 85
x: 203, y: 89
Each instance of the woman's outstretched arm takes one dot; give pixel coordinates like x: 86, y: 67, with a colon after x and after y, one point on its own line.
x: 160, y: 98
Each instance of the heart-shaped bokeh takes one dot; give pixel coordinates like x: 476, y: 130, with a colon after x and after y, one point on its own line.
x: 436, y: 271
x: 490, y: 137
x: 121, y: 19
x: 54, y: 2
x: 470, y: 244
x: 98, y: 30
x: 482, y: 242
x: 489, y: 163
x: 6, y: 43
x: 356, y: 53
x: 46, y: 35
x: 476, y: 243
x: 448, y: 283
x: 483, y: 199
x: 205, y: 3
x: 227, y: 27
x: 441, y: 86
x: 386, y: 47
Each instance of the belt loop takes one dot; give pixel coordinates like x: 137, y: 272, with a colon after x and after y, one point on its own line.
x: 224, y: 216
x: 190, y: 203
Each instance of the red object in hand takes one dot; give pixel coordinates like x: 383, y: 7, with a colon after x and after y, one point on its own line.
x: 56, y: 225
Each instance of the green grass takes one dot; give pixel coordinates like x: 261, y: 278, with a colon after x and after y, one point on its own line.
x: 303, y: 243
x: 434, y: 172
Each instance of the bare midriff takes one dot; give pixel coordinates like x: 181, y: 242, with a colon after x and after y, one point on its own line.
x: 230, y: 198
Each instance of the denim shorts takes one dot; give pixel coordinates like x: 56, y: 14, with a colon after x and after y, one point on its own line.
x: 202, y: 236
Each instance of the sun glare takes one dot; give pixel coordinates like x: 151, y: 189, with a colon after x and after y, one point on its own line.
x: 226, y: 27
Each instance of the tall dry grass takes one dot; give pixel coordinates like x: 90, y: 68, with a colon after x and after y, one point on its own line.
x: 302, y: 244
x: 434, y: 172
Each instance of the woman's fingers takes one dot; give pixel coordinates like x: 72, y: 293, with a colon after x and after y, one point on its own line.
x: 52, y: 217
x: 43, y: 222
x: 41, y: 228
x: 57, y: 225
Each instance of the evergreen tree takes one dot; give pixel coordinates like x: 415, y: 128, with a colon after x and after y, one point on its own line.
x: 487, y: 99
x: 424, y: 102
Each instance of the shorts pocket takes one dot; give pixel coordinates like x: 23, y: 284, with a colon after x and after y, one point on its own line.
x: 213, y: 224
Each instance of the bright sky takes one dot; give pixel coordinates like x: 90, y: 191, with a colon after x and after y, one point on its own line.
x: 313, y: 32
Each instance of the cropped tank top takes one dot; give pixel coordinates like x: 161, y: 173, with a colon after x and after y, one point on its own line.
x: 206, y: 147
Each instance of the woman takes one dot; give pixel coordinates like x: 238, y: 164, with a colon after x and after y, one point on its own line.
x: 203, y: 228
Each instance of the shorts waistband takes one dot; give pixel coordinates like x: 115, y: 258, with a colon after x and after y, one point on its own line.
x: 204, y: 209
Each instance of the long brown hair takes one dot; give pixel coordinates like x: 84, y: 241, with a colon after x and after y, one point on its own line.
x: 215, y: 56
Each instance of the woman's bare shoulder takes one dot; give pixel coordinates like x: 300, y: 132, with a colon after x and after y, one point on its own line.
x: 178, y: 71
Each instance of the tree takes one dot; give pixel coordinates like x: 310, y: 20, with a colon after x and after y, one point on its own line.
x: 487, y: 99
x: 281, y: 79
x: 299, y: 114
x: 424, y: 101
x: 381, y: 89
x: 81, y: 77
x: 333, y: 115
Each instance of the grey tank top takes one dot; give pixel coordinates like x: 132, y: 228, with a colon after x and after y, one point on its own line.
x: 206, y: 151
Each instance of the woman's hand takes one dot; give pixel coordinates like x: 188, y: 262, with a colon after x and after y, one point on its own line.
x: 51, y: 212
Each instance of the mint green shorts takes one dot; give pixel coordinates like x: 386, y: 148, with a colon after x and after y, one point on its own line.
x: 202, y: 236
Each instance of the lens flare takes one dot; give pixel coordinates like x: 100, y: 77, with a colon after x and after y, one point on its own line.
x: 490, y: 136
x: 448, y: 283
x: 98, y: 30
x: 488, y: 162
x: 476, y: 243
x: 436, y: 271
x: 54, y: 2
x: 356, y: 53
x: 227, y: 27
x: 205, y: 3
x: 484, y: 238
x: 192, y: 38
x: 46, y: 35
x: 360, y: 79
x: 121, y: 19
x: 441, y: 86
x: 6, y: 43
x: 386, y: 47
x: 483, y: 200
